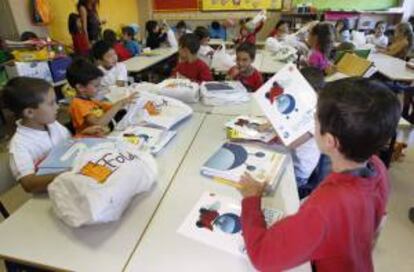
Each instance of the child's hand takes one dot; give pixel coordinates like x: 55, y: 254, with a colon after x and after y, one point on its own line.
x: 250, y: 187
x: 99, y: 131
x: 126, y: 101
x: 234, y: 72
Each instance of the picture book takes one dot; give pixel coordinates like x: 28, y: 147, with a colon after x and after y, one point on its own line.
x: 146, y: 138
x: 215, y: 221
x: 289, y: 103
x: 353, y: 65
x: 63, y: 157
x: 232, y: 160
x: 247, y: 128
x: 362, y: 53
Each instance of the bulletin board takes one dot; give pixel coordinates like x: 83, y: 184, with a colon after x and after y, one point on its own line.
x: 223, y: 5
x: 360, y: 5
x: 175, y: 5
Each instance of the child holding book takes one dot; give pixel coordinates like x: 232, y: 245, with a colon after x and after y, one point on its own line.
x: 335, y: 228
x: 128, y: 36
x: 244, y: 71
x: 114, y: 72
x: 189, y: 65
x: 280, y: 31
x: 246, y: 34
x: 320, y: 40
x: 378, y: 38
x: 205, y: 53
x: 34, y: 103
x: 155, y: 35
x: 79, y: 38
x: 85, y: 110
x: 109, y: 36
x: 403, y: 41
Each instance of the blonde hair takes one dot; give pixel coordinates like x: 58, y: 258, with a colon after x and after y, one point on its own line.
x: 406, y: 31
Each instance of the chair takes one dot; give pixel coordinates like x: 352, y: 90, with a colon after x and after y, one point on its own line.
x: 6, y: 180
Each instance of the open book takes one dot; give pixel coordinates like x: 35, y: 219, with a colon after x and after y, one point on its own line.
x: 215, y: 221
x: 353, y: 65
x: 289, y: 103
x: 231, y: 161
x: 247, y: 128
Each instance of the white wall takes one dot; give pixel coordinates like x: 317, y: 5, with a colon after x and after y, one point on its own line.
x: 22, y: 17
x: 408, y: 7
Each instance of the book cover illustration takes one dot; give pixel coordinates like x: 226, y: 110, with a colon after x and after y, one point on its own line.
x: 250, y: 129
x: 289, y: 103
x: 215, y: 221
x: 232, y: 160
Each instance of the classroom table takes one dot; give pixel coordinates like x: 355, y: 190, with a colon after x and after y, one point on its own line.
x: 34, y: 235
x: 142, y: 62
x: 227, y: 43
x: 163, y: 249
x: 393, y: 68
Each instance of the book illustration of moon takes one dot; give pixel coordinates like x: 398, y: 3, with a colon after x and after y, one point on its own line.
x: 211, y: 219
x: 286, y: 103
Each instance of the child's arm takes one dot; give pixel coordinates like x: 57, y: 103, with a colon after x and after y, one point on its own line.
x: 396, y: 48
x: 36, y: 184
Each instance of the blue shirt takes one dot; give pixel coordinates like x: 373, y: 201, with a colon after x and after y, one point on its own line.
x: 133, y: 47
x: 217, y: 33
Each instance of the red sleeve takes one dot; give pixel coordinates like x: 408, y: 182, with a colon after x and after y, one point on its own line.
x: 272, y: 33
x: 287, y: 243
x: 259, y: 27
x: 205, y: 73
x: 258, y: 81
x: 174, y: 71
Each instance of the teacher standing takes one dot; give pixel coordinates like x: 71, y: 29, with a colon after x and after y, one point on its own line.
x: 91, y: 24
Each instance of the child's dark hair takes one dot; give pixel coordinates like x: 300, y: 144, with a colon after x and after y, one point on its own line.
x: 21, y: 93
x: 215, y: 25
x: 129, y: 31
x: 201, y: 32
x: 345, y: 24
x: 380, y: 23
x: 346, y: 46
x: 72, y: 23
x: 325, y: 37
x: 191, y: 42
x: 81, y: 72
x: 280, y: 23
x: 100, y: 48
x: 362, y: 114
x: 248, y: 48
x: 150, y: 26
x: 181, y: 25
x: 314, y: 76
x: 28, y: 35
x: 109, y: 36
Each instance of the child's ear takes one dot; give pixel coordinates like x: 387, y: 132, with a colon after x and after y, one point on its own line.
x: 80, y: 88
x: 28, y: 113
x: 331, y: 141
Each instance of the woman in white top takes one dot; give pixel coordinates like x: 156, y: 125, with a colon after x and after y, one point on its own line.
x: 378, y: 38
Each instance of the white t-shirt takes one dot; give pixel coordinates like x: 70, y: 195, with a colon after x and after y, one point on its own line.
x: 29, y: 147
x: 305, y: 158
x: 205, y: 54
x: 118, y: 72
x: 381, y: 41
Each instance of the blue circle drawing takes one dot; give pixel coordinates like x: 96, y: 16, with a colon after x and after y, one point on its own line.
x: 251, y: 167
x: 286, y: 103
x: 228, y: 223
x: 230, y: 156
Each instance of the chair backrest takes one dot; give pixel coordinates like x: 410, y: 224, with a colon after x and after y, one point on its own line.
x: 7, y: 180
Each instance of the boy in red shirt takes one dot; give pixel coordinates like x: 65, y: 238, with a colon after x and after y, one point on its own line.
x: 189, y: 66
x: 246, y: 35
x: 244, y: 71
x: 335, y: 228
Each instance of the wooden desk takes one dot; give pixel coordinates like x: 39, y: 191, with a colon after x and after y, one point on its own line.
x: 140, y: 63
x: 163, y: 249
x: 392, y: 68
x: 34, y: 235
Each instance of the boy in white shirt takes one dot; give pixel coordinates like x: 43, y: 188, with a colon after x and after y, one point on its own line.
x: 115, y: 73
x: 378, y: 38
x: 34, y: 101
x: 205, y: 53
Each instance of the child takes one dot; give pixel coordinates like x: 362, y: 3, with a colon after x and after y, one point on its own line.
x: 280, y: 31
x: 28, y: 35
x: 114, y: 72
x: 205, y: 53
x: 130, y: 43
x: 217, y: 31
x: 244, y: 71
x: 336, y: 226
x: 320, y: 40
x: 402, y: 43
x: 378, y: 38
x: 342, y: 31
x: 246, y: 34
x: 189, y: 65
x: 181, y: 29
x: 109, y: 36
x: 155, y: 35
x: 79, y: 38
x: 84, y: 109
x: 34, y: 101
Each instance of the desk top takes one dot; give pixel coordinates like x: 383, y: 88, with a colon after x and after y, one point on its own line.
x: 392, y: 68
x: 163, y: 249
x: 34, y: 235
x: 142, y: 62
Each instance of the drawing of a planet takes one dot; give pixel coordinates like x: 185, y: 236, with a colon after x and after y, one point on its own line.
x: 286, y: 103
x: 228, y: 223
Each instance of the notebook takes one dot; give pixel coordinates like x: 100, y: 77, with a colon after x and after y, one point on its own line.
x: 215, y: 221
x: 232, y: 160
x: 353, y: 65
x: 362, y: 53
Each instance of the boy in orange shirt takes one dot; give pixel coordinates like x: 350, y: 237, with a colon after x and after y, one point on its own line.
x: 85, y: 109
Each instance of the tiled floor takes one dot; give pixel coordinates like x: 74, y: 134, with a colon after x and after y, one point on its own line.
x: 395, y: 248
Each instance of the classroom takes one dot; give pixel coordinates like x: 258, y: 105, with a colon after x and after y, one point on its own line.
x: 206, y: 135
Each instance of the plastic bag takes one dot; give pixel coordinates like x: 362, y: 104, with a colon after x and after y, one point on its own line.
x: 358, y: 38
x: 171, y: 39
x: 222, y: 61
x: 102, y: 184
x: 181, y: 89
